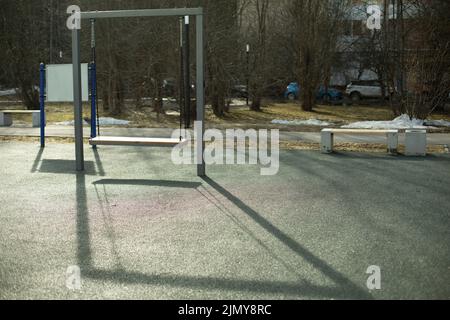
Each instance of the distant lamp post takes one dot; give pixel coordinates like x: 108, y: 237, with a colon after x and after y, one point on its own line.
x: 248, y: 72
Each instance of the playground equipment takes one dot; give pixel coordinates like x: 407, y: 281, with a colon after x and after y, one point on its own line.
x: 96, y: 139
x: 77, y: 82
x: 56, y: 86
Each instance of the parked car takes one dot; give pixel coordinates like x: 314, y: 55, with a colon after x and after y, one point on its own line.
x: 362, y: 89
x: 293, y: 92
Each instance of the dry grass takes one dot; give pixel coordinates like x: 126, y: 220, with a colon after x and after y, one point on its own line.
x: 355, y: 147
x: 240, y: 117
x: 48, y: 140
x: 289, y: 111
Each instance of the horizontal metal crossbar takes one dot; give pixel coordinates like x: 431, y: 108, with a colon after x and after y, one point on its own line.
x: 142, y: 13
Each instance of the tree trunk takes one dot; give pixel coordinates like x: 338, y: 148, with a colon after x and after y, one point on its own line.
x: 158, y: 104
x: 256, y: 103
x: 30, y: 98
x: 218, y: 104
x: 308, y: 100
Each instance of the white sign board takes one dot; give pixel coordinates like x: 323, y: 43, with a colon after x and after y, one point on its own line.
x: 60, y: 82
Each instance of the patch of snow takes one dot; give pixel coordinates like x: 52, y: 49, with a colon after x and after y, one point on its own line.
x: 310, y: 122
x: 70, y: 123
x: 437, y: 123
x: 402, y: 122
x: 8, y: 92
x: 173, y: 113
x: 113, y: 122
x: 238, y: 102
x: 102, y: 122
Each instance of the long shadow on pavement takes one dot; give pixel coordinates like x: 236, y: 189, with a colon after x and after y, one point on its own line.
x: 98, y: 162
x: 150, y: 183
x: 84, y: 254
x: 37, y: 160
x: 65, y: 167
x: 345, y: 289
x: 345, y: 285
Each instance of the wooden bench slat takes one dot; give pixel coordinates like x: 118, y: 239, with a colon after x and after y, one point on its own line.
x: 135, y: 141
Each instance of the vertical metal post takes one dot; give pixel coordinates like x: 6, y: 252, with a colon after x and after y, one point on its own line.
x: 181, y: 80
x: 95, y: 120
x: 200, y: 144
x: 93, y: 85
x: 93, y: 40
x: 42, y: 102
x: 402, y: 50
x: 187, y: 73
x: 247, y: 53
x: 51, y: 31
x: 77, y: 100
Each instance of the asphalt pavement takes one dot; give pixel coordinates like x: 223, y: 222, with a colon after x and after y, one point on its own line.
x: 140, y: 227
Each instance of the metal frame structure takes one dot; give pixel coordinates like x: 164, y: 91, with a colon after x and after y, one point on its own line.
x: 44, y: 88
x: 42, y: 75
x: 76, y: 52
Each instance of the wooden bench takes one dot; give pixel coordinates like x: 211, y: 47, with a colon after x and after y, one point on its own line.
x: 137, y: 142
x: 328, y: 138
x: 6, y: 117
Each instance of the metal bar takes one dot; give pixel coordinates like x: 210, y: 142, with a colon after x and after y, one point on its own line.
x: 51, y: 31
x: 201, y: 168
x: 42, y: 103
x: 198, y: 12
x: 77, y: 100
x: 93, y: 77
x: 93, y: 34
x: 141, y: 13
x: 94, y: 61
x: 181, y: 80
x: 187, y: 74
x: 248, y: 75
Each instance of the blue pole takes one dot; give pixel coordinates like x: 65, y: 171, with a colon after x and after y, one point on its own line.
x: 42, y: 102
x: 93, y: 100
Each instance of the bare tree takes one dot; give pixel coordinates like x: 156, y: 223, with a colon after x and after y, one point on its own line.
x: 24, y: 42
x: 427, y: 61
x: 221, y: 50
x: 313, y: 28
x: 257, y: 30
x: 410, y: 54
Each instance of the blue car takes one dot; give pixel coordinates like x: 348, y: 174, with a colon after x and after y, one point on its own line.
x: 293, y: 93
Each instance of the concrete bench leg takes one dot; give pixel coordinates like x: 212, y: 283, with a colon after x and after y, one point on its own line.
x: 5, y: 120
x: 327, y: 142
x: 392, y: 143
x: 416, y: 143
x: 36, y: 119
